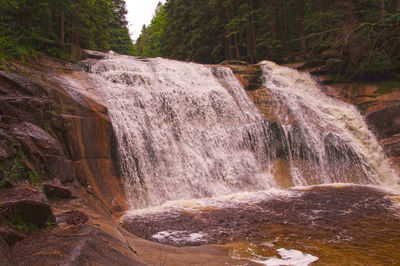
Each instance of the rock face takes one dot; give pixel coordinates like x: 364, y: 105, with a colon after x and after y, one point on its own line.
x: 385, y: 122
x: 49, y: 132
x: 5, y: 258
x: 80, y: 245
x: 56, y: 192
x: 249, y: 75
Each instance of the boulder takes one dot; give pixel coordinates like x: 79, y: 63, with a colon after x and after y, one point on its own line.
x: 75, y: 217
x: 26, y: 209
x: 5, y: 258
x: 10, y: 235
x: 392, y: 146
x: 93, y: 54
x: 56, y: 192
x: 385, y: 122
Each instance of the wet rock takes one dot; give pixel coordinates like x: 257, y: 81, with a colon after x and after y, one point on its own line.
x: 21, y: 107
x: 4, y: 153
x: 10, y: 235
x: 88, y: 137
x: 14, y: 84
x: 56, y: 192
x: 57, y: 130
x: 102, y: 177
x: 248, y: 75
x: 75, y: 217
x: 385, y: 122
x: 392, y: 146
x: 26, y: 208
x: 5, y: 258
x: 93, y: 54
x: 77, y: 245
x: 60, y: 167
x: 234, y: 62
x: 36, y: 139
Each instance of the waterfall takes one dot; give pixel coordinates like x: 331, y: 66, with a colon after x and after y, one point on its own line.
x: 187, y: 130
x: 329, y: 134
x: 181, y: 133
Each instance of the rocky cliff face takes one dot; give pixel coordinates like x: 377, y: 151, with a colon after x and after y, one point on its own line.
x: 48, y: 134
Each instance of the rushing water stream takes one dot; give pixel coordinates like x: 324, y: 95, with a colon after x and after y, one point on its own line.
x: 198, y: 160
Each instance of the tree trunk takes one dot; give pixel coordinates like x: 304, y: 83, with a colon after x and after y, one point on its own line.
x: 62, y: 27
x: 383, y: 12
x: 250, y: 34
x: 237, y: 51
x: 235, y: 38
x: 302, y: 34
x: 286, y: 25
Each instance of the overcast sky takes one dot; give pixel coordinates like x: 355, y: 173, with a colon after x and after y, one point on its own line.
x: 140, y: 12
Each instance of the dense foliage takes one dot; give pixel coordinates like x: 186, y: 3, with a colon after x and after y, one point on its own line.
x: 91, y: 24
x: 362, y: 35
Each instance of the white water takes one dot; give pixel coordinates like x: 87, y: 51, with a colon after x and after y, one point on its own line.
x: 331, y: 134
x: 189, y: 131
x: 290, y: 257
x: 181, y: 134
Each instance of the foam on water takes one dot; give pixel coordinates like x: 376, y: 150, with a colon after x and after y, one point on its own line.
x: 289, y: 257
x: 230, y: 200
x: 177, y: 237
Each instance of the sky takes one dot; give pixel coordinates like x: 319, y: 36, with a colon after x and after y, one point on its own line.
x: 140, y: 12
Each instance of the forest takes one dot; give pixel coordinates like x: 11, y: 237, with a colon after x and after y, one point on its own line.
x: 356, y: 39
x: 27, y: 25
x: 362, y: 37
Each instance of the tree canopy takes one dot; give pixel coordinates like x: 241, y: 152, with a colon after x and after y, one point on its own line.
x: 364, y: 34
x: 91, y: 24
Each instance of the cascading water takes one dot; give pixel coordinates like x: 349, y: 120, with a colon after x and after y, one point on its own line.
x: 326, y: 140
x: 186, y: 131
x: 181, y: 134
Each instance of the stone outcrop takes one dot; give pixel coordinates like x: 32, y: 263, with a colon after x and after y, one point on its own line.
x: 5, y: 257
x: 26, y: 206
x: 385, y: 122
x: 79, y: 245
x: 56, y: 192
x: 249, y: 75
x: 53, y: 133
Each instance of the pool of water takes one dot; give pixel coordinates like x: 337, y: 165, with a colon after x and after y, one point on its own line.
x: 333, y: 224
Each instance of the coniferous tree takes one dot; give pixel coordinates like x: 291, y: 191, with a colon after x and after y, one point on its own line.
x: 363, y: 35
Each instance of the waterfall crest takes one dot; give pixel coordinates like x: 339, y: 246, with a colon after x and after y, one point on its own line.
x: 186, y: 131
